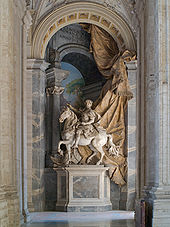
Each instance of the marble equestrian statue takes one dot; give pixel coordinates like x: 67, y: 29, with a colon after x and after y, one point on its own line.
x: 84, y: 130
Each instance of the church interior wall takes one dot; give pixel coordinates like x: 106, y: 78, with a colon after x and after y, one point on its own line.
x: 11, y: 45
x: 22, y: 132
x: 72, y: 35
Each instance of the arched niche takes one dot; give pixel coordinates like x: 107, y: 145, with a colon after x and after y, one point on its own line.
x: 85, y: 12
x: 72, y: 13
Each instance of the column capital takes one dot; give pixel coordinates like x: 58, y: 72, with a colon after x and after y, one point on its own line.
x: 33, y: 64
x: 132, y: 65
x: 55, y: 76
x: 55, y: 90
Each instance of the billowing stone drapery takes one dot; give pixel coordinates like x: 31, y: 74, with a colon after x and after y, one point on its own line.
x: 112, y: 103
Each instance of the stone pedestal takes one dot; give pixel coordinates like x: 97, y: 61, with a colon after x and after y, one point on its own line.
x: 62, y: 189
x: 83, y: 188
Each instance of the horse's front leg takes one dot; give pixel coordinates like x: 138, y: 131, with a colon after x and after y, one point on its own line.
x: 59, y: 149
x: 65, y: 142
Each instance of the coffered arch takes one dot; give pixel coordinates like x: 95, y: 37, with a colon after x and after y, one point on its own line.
x: 91, y: 13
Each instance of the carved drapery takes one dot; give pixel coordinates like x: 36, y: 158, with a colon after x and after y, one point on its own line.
x: 112, y: 103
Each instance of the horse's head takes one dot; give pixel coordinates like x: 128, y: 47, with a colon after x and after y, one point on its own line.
x: 65, y: 114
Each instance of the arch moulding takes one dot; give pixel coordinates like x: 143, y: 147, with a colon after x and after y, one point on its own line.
x: 72, y: 13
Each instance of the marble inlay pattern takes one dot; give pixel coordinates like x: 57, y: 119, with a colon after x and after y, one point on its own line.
x: 85, y: 187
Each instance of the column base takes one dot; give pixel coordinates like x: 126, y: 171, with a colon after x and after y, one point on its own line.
x: 11, y: 205
x: 4, y: 219
x: 154, y: 208
x: 27, y: 217
x: 161, y: 213
x: 161, y: 207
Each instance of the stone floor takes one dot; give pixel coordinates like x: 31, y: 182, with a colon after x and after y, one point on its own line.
x: 88, y: 219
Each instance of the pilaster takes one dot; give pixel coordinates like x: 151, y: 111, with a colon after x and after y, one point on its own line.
x: 55, y: 76
x: 156, y: 158
x: 131, y: 138
x: 27, y: 21
x: 36, y: 68
x: 11, y: 74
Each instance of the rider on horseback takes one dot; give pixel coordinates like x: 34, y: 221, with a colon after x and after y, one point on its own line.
x: 88, y: 124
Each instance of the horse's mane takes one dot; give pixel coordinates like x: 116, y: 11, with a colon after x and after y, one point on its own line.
x: 70, y: 122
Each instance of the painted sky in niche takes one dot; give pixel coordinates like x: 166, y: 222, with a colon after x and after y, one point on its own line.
x: 72, y: 85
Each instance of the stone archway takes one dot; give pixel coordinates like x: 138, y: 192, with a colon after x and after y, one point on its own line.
x: 82, y: 13
x: 69, y: 14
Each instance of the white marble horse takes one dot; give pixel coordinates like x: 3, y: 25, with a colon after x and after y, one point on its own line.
x: 95, y: 142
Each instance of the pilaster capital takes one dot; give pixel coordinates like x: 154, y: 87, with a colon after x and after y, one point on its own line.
x: 35, y: 64
x: 55, y: 90
x: 55, y: 76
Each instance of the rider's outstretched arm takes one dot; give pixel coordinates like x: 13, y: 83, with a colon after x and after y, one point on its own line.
x: 73, y: 108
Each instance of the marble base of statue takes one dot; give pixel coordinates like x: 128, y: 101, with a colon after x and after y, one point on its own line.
x: 83, y: 188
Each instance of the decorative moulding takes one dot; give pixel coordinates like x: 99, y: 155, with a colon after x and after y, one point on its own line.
x: 82, y: 13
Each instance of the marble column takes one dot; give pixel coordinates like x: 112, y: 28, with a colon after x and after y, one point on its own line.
x: 131, y: 137
x: 37, y: 68
x: 12, y: 42
x: 161, y: 198
x: 54, y: 78
x: 24, y: 100
x: 154, y: 144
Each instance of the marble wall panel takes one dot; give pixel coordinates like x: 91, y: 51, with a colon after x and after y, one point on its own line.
x: 85, y: 187
x: 114, y: 195
x: 63, y: 187
x: 50, y: 185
